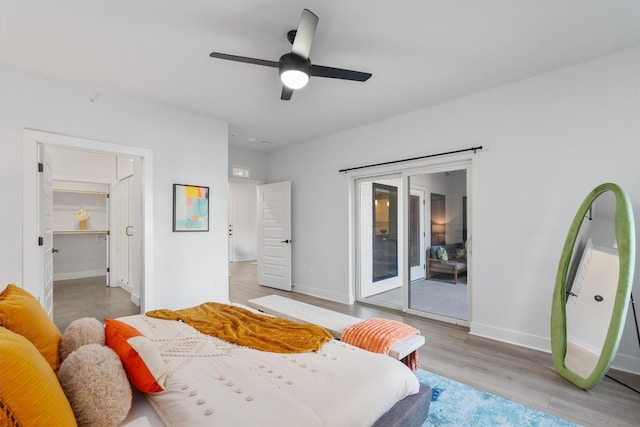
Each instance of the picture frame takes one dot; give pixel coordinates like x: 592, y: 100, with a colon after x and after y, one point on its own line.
x: 190, y: 208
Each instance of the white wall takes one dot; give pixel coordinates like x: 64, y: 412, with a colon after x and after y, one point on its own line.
x: 188, y: 268
x: 82, y: 166
x: 256, y: 161
x: 547, y: 141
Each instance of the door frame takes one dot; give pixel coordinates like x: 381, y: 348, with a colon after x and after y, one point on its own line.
x: 364, y: 286
x: 426, y: 166
x: 422, y: 195
x: 32, y: 272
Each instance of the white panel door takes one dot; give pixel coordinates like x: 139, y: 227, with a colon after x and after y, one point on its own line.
x: 121, y: 226
x: 274, y: 235
x: 45, y: 198
x: 135, y: 232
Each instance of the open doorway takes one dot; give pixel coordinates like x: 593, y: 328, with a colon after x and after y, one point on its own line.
x: 404, y: 222
x: 243, y: 221
x: 96, y: 202
x: 40, y: 217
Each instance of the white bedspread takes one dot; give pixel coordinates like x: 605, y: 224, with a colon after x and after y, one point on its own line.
x: 213, y: 382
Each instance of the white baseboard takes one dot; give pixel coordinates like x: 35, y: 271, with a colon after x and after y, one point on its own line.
x: 244, y: 259
x: 625, y: 363
x: 124, y: 286
x: 510, y: 336
x: 135, y: 299
x: 621, y: 362
x: 79, y: 274
x: 321, y: 293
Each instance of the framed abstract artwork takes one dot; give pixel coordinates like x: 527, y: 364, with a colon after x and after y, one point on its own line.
x: 190, y: 208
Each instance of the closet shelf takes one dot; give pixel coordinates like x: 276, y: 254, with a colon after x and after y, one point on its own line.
x: 61, y: 190
x: 58, y: 233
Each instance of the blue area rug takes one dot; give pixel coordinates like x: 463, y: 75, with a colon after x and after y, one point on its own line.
x: 456, y: 404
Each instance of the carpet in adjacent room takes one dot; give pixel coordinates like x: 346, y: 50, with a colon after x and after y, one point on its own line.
x: 457, y: 404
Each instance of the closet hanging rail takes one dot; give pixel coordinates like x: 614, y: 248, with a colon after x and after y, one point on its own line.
x: 474, y: 149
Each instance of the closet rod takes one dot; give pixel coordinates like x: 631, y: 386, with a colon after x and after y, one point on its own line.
x: 474, y: 149
x: 64, y: 190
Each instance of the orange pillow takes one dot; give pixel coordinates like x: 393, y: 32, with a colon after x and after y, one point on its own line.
x: 30, y: 394
x: 140, y: 357
x: 21, y: 313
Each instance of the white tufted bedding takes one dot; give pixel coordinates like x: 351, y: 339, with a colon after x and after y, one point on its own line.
x: 213, y: 382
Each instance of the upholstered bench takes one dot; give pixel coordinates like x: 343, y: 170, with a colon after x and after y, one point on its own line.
x: 332, y: 321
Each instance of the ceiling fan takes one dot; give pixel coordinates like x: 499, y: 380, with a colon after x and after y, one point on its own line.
x: 295, y: 67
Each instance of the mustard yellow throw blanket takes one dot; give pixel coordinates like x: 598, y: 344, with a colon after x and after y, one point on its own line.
x: 246, y: 328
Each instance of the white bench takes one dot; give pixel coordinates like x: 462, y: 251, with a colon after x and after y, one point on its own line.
x: 332, y: 321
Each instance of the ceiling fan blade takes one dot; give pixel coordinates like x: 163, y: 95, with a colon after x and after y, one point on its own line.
x: 304, y: 35
x: 245, y: 59
x: 339, y: 73
x: 286, y: 93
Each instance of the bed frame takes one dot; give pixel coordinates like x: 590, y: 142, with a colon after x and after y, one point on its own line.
x: 412, y: 411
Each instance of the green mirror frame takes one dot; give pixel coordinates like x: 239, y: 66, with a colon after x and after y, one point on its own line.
x: 625, y: 239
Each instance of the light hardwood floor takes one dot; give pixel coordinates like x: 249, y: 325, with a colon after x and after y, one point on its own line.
x: 520, y: 374
x: 523, y: 375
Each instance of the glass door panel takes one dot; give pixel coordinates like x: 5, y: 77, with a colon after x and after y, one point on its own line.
x: 385, y: 231
x: 442, y: 292
x: 414, y: 231
x: 380, y: 239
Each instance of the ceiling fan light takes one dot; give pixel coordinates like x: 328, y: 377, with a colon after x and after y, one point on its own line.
x: 294, y: 79
x: 294, y: 70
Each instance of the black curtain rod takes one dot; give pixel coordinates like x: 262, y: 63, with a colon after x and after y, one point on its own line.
x: 474, y: 149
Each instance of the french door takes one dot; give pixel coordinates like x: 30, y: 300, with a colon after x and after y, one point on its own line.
x: 380, y: 234
x: 394, y: 229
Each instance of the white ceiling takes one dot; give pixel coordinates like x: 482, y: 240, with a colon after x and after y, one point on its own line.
x: 421, y: 53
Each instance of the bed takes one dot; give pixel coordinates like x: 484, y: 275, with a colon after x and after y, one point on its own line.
x: 82, y: 377
x: 214, y: 382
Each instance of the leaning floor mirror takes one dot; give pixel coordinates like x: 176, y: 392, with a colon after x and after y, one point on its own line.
x: 593, y: 286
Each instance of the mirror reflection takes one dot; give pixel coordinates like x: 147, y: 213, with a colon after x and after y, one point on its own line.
x: 591, y: 286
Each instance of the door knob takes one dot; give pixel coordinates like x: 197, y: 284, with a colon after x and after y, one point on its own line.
x: 285, y: 241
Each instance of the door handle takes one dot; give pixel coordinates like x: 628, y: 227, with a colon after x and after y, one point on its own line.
x: 54, y: 250
x: 128, y: 230
x: 285, y: 241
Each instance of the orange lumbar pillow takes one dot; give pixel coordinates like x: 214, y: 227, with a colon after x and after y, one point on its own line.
x: 140, y: 357
x: 21, y: 313
x: 30, y: 394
